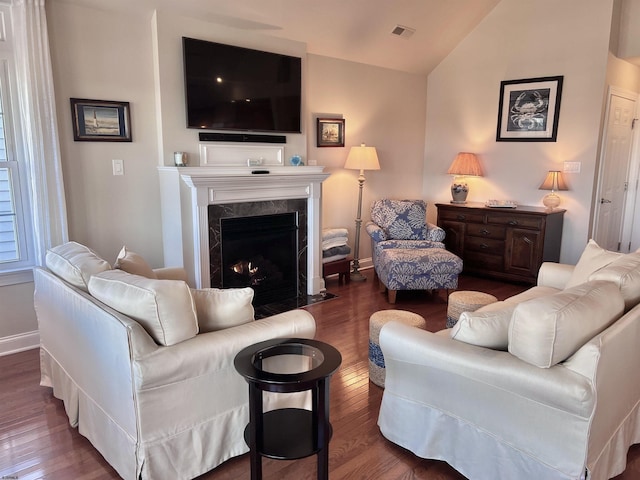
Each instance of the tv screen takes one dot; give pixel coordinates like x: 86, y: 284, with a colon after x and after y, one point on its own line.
x: 234, y: 88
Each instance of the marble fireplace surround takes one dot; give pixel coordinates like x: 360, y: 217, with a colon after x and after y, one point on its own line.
x: 225, y: 178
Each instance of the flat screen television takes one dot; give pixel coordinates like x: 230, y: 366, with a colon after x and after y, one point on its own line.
x: 235, y: 88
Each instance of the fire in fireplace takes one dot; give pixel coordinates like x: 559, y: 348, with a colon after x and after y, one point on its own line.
x: 261, y: 252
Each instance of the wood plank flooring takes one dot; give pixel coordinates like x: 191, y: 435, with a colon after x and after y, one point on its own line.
x: 36, y: 441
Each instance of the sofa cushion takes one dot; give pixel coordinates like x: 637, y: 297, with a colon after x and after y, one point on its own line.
x: 547, y: 330
x: 486, y: 327
x: 593, y: 258
x: 131, y: 262
x: 401, y: 219
x: 164, y: 308
x: 75, y: 263
x: 223, y: 308
x: 624, y: 271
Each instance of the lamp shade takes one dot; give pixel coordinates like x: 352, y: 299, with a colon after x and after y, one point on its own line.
x: 465, y: 163
x: 554, y: 181
x: 362, y: 158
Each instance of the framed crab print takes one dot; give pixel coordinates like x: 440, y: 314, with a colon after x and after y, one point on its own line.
x: 529, y: 109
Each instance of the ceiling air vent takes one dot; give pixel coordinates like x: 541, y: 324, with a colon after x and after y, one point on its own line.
x: 402, y: 31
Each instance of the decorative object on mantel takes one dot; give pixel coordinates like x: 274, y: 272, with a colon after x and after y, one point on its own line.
x: 553, y: 181
x: 465, y: 164
x: 100, y: 120
x: 360, y: 158
x: 330, y: 132
x: 529, y: 109
x: 296, y: 160
x: 180, y: 159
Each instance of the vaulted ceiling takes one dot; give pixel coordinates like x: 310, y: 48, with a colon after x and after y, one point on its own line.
x: 355, y: 30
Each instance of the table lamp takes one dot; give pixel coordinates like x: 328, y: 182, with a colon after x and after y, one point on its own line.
x: 553, y: 181
x: 360, y: 158
x: 464, y: 165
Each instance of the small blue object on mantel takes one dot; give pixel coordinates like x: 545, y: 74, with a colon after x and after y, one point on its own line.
x: 296, y: 160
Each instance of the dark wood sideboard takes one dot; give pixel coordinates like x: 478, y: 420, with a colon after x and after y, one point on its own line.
x: 505, y: 243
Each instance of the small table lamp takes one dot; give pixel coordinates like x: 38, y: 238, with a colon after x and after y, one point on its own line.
x: 465, y: 164
x: 360, y: 158
x: 553, y: 181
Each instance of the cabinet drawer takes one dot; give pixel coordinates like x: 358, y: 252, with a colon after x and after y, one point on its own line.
x: 523, y: 221
x: 485, y: 245
x: 461, y: 216
x: 486, y: 231
x: 484, y: 262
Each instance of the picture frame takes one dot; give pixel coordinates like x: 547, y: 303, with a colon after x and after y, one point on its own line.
x: 529, y: 109
x: 100, y: 120
x: 330, y: 132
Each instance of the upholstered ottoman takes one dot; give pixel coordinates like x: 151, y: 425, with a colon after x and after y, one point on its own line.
x: 466, y: 301
x: 417, y: 269
x: 376, y: 321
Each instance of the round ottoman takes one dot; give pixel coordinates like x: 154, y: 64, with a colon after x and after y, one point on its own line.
x: 466, y: 301
x: 376, y: 321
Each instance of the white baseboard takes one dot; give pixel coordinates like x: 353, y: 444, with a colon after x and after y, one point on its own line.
x: 19, y: 343
x: 366, y: 263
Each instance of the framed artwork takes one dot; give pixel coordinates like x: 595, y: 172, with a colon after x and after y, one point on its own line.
x: 529, y: 110
x: 100, y: 121
x: 330, y: 132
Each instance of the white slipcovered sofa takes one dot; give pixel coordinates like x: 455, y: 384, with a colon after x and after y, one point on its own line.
x: 544, y: 385
x: 144, y: 365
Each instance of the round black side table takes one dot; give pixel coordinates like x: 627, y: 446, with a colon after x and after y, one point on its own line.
x: 286, y: 365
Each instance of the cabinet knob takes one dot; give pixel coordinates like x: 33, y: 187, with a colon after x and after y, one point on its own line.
x: 484, y: 232
x: 484, y: 245
x: 513, y: 222
x: 461, y: 217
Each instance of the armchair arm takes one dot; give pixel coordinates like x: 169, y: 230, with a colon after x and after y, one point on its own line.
x: 435, y: 233
x: 375, y: 232
x: 554, y: 275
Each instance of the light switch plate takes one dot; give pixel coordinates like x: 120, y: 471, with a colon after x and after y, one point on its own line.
x: 572, y: 167
x: 118, y: 167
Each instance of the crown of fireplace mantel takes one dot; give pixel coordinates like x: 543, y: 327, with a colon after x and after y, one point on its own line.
x: 186, y: 193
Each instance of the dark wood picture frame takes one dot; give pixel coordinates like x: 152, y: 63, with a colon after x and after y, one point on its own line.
x: 100, y: 120
x: 330, y: 132
x: 529, y: 109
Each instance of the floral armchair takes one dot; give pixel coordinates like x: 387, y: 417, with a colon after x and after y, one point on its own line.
x: 408, y: 252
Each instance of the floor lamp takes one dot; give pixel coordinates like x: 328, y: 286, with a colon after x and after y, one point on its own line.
x: 360, y: 158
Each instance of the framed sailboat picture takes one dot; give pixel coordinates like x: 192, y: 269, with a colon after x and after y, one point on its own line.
x: 100, y: 120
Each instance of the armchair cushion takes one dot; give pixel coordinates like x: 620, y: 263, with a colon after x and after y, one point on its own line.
x: 547, y: 330
x: 401, y: 219
x: 75, y: 263
x: 486, y: 327
x: 593, y: 258
x: 624, y: 271
x: 220, y: 308
x: 133, y: 263
x: 164, y: 308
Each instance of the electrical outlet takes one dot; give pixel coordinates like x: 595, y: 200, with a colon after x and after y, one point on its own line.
x: 118, y: 167
x: 572, y: 167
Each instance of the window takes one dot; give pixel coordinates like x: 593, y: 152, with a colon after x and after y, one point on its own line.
x: 15, y: 228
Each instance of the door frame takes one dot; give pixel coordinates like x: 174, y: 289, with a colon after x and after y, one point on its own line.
x: 631, y: 197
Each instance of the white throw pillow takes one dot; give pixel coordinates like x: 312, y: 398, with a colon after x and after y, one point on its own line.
x: 486, y: 327
x: 164, y: 308
x: 133, y: 263
x: 223, y: 308
x: 75, y: 263
x: 624, y: 272
x: 593, y: 258
x: 548, y: 330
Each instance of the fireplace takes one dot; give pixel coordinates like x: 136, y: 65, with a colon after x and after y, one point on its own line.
x: 261, y: 252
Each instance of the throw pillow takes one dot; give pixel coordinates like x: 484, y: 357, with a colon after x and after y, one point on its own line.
x: 593, y: 257
x: 401, y: 219
x: 624, y: 271
x: 223, y: 308
x: 133, y: 263
x: 548, y: 330
x: 75, y: 263
x: 486, y: 327
x: 164, y: 308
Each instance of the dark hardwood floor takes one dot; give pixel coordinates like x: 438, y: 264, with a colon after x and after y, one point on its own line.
x: 36, y: 441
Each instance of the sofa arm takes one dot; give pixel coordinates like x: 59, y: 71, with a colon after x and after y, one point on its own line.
x: 435, y: 233
x: 171, y: 273
x: 554, y: 275
x: 215, y: 351
x: 375, y: 232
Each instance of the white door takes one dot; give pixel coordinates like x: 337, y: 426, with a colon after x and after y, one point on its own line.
x: 614, y: 171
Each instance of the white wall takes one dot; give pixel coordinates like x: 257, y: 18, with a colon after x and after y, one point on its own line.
x: 568, y: 38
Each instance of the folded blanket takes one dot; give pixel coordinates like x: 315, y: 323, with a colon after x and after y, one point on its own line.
x: 328, y: 233
x: 334, y: 242
x: 333, y: 258
x: 339, y: 250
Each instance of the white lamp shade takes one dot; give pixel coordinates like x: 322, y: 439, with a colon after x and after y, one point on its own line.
x: 362, y: 158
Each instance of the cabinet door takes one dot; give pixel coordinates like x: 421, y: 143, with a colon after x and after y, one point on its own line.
x: 454, y: 239
x: 524, y: 252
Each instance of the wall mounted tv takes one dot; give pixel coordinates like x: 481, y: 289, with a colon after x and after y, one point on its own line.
x: 234, y: 88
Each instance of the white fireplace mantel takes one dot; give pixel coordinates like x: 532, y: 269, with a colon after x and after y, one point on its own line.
x: 186, y: 193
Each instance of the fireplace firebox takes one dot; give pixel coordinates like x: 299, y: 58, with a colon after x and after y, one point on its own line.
x: 261, y: 252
